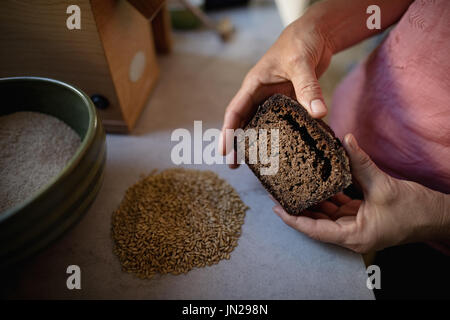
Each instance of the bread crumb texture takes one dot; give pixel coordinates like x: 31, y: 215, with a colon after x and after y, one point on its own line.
x: 313, y: 165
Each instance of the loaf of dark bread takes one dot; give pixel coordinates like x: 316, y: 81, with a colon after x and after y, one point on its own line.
x: 313, y: 164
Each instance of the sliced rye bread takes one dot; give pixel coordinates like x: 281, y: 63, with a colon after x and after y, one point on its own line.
x: 313, y: 164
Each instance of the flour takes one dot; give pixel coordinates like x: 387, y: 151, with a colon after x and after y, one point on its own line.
x: 34, y: 148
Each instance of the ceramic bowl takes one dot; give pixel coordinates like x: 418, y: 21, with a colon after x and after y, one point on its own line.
x: 46, y: 215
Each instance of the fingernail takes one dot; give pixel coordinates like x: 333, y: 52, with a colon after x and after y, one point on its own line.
x: 230, y: 160
x: 276, y: 209
x: 318, y: 107
x: 221, y: 151
x: 350, y: 141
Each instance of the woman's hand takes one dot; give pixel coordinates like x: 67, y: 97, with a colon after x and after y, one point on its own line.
x: 300, y: 56
x: 393, y: 211
x: 291, y: 66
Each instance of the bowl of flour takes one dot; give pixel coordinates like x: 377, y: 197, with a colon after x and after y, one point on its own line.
x: 52, y: 157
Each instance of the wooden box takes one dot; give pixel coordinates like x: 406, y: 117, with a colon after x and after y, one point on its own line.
x: 112, y: 56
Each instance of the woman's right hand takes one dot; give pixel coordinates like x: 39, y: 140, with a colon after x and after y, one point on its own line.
x: 301, y: 54
x: 292, y: 67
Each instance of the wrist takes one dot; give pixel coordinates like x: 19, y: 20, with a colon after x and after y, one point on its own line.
x: 314, y: 21
x: 344, y: 28
x: 428, y: 214
x: 443, y: 214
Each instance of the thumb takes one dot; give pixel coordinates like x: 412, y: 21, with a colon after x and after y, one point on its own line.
x: 308, y: 92
x: 364, y: 169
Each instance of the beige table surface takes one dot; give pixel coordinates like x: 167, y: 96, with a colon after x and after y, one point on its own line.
x: 272, y: 261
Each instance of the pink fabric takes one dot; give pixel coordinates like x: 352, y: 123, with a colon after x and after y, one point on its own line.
x: 397, y: 102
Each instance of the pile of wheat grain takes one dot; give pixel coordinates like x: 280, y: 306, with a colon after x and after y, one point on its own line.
x: 176, y: 220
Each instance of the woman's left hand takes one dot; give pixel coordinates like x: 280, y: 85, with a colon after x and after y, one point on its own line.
x: 393, y: 211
